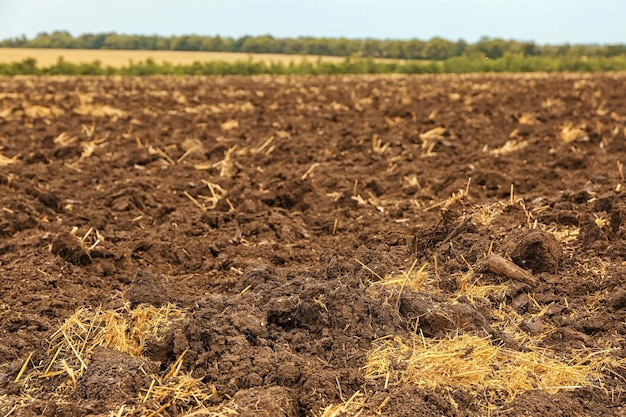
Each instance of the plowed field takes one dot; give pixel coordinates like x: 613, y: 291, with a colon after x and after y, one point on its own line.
x: 330, y: 246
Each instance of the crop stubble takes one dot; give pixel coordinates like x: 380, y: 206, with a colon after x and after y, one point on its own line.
x: 433, y: 245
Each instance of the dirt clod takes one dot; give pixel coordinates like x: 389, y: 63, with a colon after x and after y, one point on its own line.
x: 273, y: 401
x: 70, y: 249
x: 536, y: 250
x: 115, y: 377
x: 147, y: 288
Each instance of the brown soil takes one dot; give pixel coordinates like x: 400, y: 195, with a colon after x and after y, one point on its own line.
x: 268, y: 208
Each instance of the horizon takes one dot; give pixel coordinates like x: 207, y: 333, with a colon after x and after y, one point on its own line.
x: 76, y: 35
x: 550, y: 22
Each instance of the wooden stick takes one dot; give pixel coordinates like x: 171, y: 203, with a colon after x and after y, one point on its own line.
x: 502, y: 266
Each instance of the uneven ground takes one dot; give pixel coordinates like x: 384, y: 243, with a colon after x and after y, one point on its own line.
x: 239, y: 246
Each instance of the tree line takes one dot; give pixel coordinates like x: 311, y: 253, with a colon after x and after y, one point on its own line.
x: 437, y: 48
x: 462, y: 64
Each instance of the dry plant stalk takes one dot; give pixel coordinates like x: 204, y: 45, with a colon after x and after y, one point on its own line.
x: 484, y: 215
x: 102, y: 110
x: 412, y: 280
x: 469, y: 287
x: 509, y: 147
x: 266, y: 147
x: 430, y: 139
x: 226, y: 165
x: 209, y: 202
x: 568, y: 235
x: 217, y: 194
x: 454, y: 198
x: 527, y: 119
x: 167, y: 160
x: 6, y: 161
x: 353, y: 406
x: 230, y: 125
x: 40, y: 112
x: 569, y: 133
x: 378, y: 146
x: 309, y: 171
x: 509, y: 322
x: 190, y: 146
x: 126, y: 330
x: 64, y: 139
x: 179, y: 389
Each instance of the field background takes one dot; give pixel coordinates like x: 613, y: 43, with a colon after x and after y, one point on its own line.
x: 46, y: 61
x: 117, y: 58
x: 121, y: 54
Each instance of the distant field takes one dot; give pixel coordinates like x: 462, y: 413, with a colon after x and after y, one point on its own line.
x: 116, y: 58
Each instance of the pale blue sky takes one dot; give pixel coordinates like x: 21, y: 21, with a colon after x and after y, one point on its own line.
x: 544, y: 21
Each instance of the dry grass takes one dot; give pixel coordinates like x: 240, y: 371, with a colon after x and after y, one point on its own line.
x: 223, y: 410
x: 125, y: 330
x: 483, y: 215
x: 180, y: 389
x: 204, y: 202
x: 230, y: 125
x: 470, y: 287
x: 353, y: 406
x: 481, y: 367
x: 412, y: 280
x: 567, y: 235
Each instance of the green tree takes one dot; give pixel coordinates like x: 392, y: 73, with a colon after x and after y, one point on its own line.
x: 42, y: 40
x: 493, y: 48
x: 530, y: 49
x: 413, y: 49
x: 459, y: 48
x: 258, y: 44
x: 438, y: 49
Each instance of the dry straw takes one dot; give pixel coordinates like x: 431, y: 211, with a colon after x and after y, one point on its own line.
x: 510, y: 146
x: 481, y: 367
x: 178, y: 389
x: 570, y: 133
x: 102, y: 110
x: 472, y: 289
x: 453, y: 199
x: 412, y: 280
x: 353, y: 406
x: 6, y: 161
x: 430, y: 140
x: 126, y: 330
